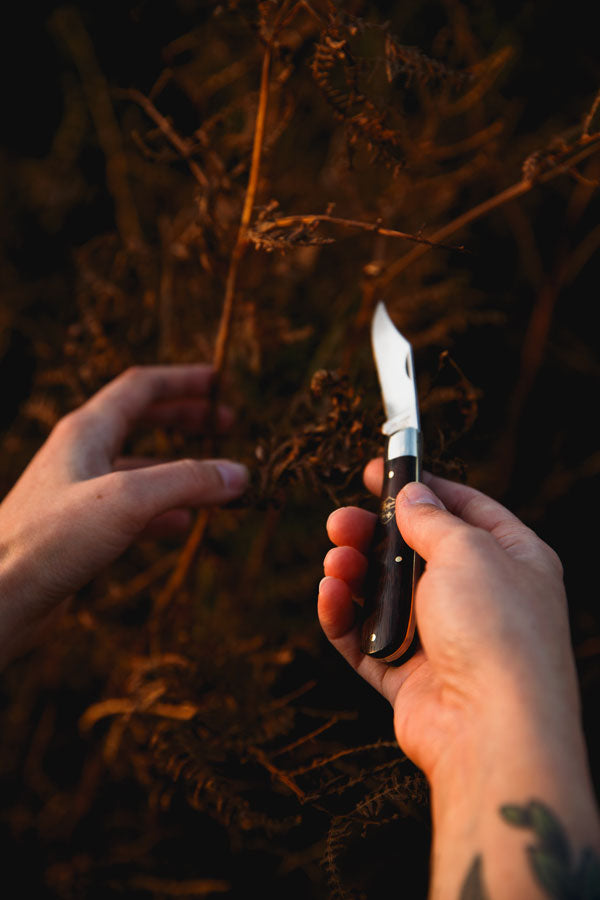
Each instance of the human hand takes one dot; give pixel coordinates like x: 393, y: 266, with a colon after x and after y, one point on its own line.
x: 490, y: 608
x: 78, y: 505
x: 488, y: 707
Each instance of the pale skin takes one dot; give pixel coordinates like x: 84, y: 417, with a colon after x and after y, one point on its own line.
x: 80, y: 504
x: 489, y: 707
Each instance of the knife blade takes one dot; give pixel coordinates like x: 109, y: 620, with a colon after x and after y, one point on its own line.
x: 388, y: 629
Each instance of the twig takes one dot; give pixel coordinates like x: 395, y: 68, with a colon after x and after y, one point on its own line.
x: 376, y: 227
x: 590, y: 116
x: 279, y: 774
x: 182, y: 146
x: 566, y: 266
x: 168, y: 887
x: 302, y: 4
x: 306, y: 737
x: 293, y: 695
x: 591, y: 145
x: 180, y: 571
x: 222, y: 340
x: 326, y: 760
x: 124, y: 706
x: 165, y: 291
x: 473, y: 142
x: 140, y: 582
x: 68, y: 25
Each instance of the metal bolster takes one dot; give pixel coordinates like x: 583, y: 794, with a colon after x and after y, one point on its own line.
x: 406, y: 442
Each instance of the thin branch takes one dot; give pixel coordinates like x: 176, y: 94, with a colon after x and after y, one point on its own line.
x: 589, y: 146
x: 590, y: 116
x: 306, y: 737
x: 124, y: 706
x: 182, y: 146
x: 165, y: 887
x: 302, y: 4
x: 566, y: 267
x: 140, y: 582
x: 184, y: 561
x: 279, y: 774
x: 375, y: 227
x: 68, y: 25
x: 349, y: 751
x: 222, y: 341
x: 293, y: 695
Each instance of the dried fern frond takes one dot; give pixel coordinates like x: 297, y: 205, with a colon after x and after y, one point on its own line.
x: 414, y: 67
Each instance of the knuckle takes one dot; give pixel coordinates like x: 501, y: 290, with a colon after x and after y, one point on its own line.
x: 133, y: 373
x: 513, y: 534
x: 69, y: 425
x: 554, y: 560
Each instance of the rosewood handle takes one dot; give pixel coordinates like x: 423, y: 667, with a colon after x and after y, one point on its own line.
x: 388, y: 630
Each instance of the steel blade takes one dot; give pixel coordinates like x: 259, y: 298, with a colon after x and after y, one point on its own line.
x: 394, y: 361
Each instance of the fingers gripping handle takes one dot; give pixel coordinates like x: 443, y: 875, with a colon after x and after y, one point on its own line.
x: 388, y: 628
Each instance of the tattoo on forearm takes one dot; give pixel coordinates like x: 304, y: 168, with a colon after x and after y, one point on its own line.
x: 554, y: 868
x: 473, y: 888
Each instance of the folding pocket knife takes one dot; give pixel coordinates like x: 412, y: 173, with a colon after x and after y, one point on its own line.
x: 388, y: 629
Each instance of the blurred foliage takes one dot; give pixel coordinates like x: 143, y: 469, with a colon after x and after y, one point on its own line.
x: 186, y: 731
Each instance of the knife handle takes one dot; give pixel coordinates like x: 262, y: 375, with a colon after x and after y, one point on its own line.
x: 388, y: 628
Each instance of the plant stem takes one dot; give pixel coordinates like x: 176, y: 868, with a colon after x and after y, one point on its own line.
x: 180, y: 144
x: 196, y: 536
x: 223, y: 333
x: 590, y: 144
x: 376, y: 227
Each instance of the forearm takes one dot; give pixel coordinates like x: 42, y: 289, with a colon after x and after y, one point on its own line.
x: 505, y: 814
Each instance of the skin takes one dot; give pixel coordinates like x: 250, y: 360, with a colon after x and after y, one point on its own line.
x: 489, y: 707
x: 80, y: 504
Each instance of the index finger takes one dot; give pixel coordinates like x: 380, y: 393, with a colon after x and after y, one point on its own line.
x: 124, y: 400
x: 467, y: 503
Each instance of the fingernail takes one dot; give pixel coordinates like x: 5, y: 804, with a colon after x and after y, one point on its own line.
x: 323, y: 580
x: 235, y: 475
x: 415, y: 492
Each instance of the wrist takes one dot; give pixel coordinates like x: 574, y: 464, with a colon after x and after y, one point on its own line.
x: 514, y: 760
x: 514, y: 750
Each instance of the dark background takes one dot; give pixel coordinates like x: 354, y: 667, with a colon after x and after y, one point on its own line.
x: 520, y: 421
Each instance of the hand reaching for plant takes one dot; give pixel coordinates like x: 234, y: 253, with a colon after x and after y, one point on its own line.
x: 78, y: 505
x: 489, y: 706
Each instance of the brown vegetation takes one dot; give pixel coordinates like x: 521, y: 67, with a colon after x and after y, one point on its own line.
x: 244, y: 192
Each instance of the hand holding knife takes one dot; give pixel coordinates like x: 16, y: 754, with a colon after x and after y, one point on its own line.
x: 388, y: 631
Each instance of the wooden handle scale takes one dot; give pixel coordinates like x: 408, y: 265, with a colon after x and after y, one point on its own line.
x: 388, y: 630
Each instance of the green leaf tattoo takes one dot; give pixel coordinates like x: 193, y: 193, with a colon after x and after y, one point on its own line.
x: 550, y: 858
x: 550, y: 833
x: 473, y: 888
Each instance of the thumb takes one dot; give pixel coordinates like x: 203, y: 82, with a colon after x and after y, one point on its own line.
x: 423, y: 520
x: 149, y: 491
